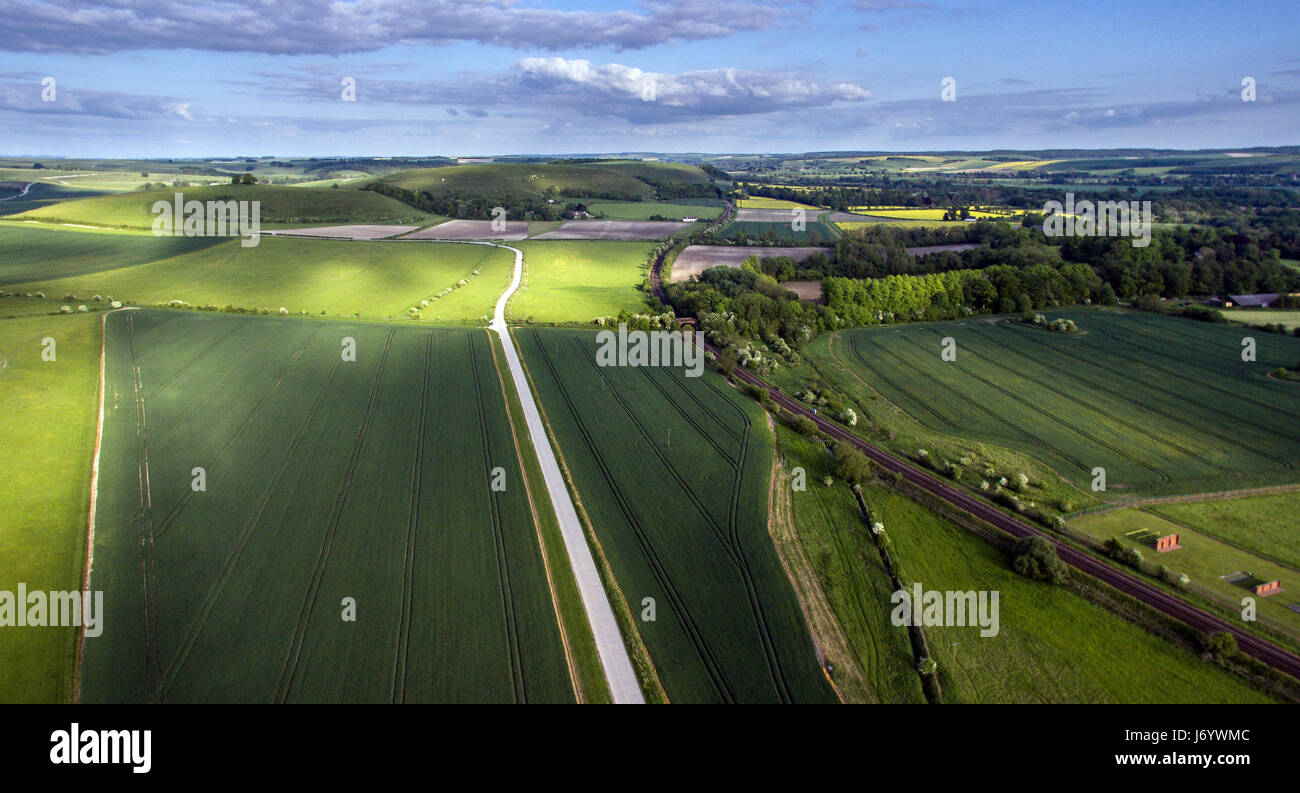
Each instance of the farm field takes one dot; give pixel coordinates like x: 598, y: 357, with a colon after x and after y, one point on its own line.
x: 613, y: 230
x: 1289, y: 319
x: 1207, y: 560
x: 815, y: 231
x: 353, y: 232
x: 763, y: 202
x: 325, y: 480
x: 695, y: 259
x: 49, y: 409
x: 33, y: 252
x: 645, y: 210
x: 472, y: 230
x: 1265, y: 524
x: 622, y: 180
x: 279, y: 205
x: 575, y: 281
x: 922, y: 214
x: 727, y: 625
x: 332, y: 277
x: 1164, y: 405
x: 1043, y: 631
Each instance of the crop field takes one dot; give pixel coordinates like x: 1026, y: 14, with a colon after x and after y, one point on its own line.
x: 922, y: 214
x: 1288, y: 319
x: 289, y: 205
x: 623, y: 180
x: 727, y: 625
x: 1163, y: 404
x: 645, y: 210
x: 33, y: 252
x: 613, y: 230
x: 332, y: 277
x: 815, y: 231
x: 472, y: 230
x: 49, y: 409
x: 579, y: 280
x: 325, y: 480
x: 1051, y: 645
x: 695, y: 259
x: 762, y: 202
x: 353, y: 232
x: 1221, y: 570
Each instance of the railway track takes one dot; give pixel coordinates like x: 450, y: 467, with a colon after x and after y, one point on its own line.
x: 1261, y: 649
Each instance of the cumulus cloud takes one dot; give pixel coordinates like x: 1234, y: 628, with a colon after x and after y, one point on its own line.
x: 332, y: 28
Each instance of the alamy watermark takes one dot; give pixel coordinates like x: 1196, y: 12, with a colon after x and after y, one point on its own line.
x: 229, y: 218
x: 934, y: 608
x: 1102, y: 219
x: 651, y: 348
x: 41, y: 609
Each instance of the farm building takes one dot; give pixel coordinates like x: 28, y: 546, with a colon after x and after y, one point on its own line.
x: 1253, y: 301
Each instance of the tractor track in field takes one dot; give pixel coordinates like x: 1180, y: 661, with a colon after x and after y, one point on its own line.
x: 509, y: 612
x: 179, y: 506
x: 148, y: 563
x: 657, y: 568
x: 290, y: 669
x: 401, y: 658
x: 236, y: 552
x: 686, y: 415
x: 239, y: 326
x: 1203, y: 429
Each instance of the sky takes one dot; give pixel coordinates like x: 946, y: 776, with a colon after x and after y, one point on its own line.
x: 126, y: 78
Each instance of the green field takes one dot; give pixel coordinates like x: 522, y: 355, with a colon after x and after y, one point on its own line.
x: 334, y: 277
x: 629, y: 180
x: 35, y: 253
x: 1163, y: 404
x: 815, y: 232
x: 644, y: 210
x: 49, y: 409
x: 575, y: 281
x: 673, y: 473
x: 279, y: 206
x: 1264, y: 524
x: 1288, y: 319
x: 325, y: 480
x: 1051, y: 646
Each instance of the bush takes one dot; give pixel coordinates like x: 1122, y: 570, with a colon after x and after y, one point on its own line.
x: 1035, y: 557
x: 805, y: 426
x: 851, y: 465
x: 1220, y: 644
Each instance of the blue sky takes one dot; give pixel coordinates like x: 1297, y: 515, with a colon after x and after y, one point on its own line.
x: 133, y: 79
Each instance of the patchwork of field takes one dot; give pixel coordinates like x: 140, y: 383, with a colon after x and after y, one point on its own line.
x: 578, y: 281
x: 330, y: 484
x: 473, y: 230
x: 695, y: 259
x: 332, y: 277
x: 278, y: 204
x: 49, y: 409
x: 36, y: 253
x: 613, y: 230
x: 631, y: 180
x: 673, y: 473
x: 1163, y: 404
x: 1264, y: 525
x: 1051, y: 645
x: 355, y: 232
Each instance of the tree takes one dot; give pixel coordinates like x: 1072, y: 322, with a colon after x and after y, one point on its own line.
x: 851, y: 465
x: 1220, y: 644
x: 1035, y: 557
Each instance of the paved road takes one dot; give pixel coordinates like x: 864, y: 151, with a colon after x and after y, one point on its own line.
x: 619, y: 674
x: 1279, y: 658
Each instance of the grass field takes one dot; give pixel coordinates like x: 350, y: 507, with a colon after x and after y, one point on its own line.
x: 815, y: 232
x: 33, y: 252
x: 673, y: 472
x: 568, y: 281
x: 336, y: 277
x: 762, y: 202
x: 279, y: 205
x: 49, y: 409
x: 644, y: 210
x: 1289, y: 319
x: 1052, y: 645
x: 1163, y: 404
x: 1264, y: 524
x: 1205, y: 559
x: 325, y: 480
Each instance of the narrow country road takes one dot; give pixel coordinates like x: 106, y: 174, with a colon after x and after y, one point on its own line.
x: 27, y: 188
x: 623, y: 685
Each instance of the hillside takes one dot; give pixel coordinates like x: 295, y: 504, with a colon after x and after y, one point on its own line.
x: 630, y: 180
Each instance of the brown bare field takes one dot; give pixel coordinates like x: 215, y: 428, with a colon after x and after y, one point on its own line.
x: 806, y: 290
x: 772, y: 215
x: 695, y: 259
x: 613, y: 230
x: 472, y: 230
x: 924, y: 249
x: 360, y: 232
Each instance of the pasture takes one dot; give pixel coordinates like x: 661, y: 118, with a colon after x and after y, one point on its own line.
x: 672, y: 473
x: 646, y: 210
x: 577, y: 281
x: 1163, y: 404
x: 49, y: 409
x: 328, y: 483
x: 330, y: 277
x: 37, y: 253
x: 1264, y: 524
x: 1051, y: 645
x: 1288, y: 319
